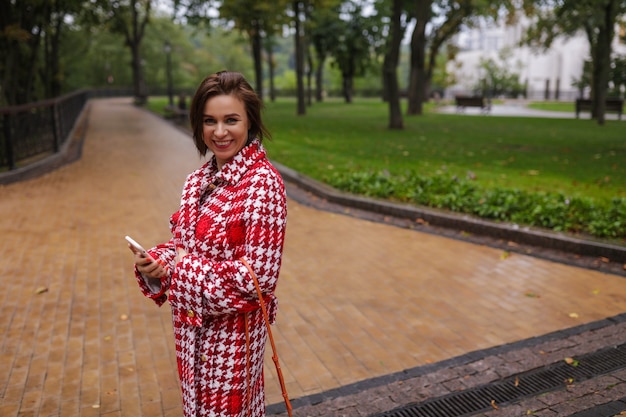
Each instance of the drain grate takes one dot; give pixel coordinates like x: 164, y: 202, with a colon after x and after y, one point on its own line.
x: 537, y: 381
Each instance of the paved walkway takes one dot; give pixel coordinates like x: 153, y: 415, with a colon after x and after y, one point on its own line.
x: 371, y: 316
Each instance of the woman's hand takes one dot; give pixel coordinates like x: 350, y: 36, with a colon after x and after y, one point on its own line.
x: 147, y: 266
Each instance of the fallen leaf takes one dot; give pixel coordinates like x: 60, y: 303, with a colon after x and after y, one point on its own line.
x: 595, y: 292
x: 569, y: 381
x: 511, y: 243
x: 420, y: 221
x: 124, y: 317
x: 573, y: 315
x: 605, y: 259
x: 516, y: 381
x: 531, y: 295
x: 505, y: 255
x: 95, y: 406
x: 571, y: 361
x: 533, y: 172
x: 41, y: 290
x: 624, y: 267
x: 494, y: 405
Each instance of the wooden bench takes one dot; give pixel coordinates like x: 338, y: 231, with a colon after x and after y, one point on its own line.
x: 472, y: 101
x: 612, y: 104
x: 176, y: 113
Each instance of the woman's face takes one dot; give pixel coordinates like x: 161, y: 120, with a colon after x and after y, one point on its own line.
x: 225, y: 127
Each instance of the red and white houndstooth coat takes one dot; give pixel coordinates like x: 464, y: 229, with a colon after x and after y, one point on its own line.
x: 238, y: 211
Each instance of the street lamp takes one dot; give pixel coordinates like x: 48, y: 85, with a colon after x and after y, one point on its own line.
x: 167, y: 48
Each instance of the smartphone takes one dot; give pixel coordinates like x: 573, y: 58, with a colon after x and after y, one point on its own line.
x: 136, y: 245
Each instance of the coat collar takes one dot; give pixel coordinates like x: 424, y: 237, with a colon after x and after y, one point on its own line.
x: 232, y: 172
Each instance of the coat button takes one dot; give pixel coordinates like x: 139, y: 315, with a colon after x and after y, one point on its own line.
x: 204, y: 358
x: 191, y: 314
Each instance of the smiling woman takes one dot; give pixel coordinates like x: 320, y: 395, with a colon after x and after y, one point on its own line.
x: 232, y: 217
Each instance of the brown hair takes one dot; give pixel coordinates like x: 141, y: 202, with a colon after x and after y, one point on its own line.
x: 226, y: 83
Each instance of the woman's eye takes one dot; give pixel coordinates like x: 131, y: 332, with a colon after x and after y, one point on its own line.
x: 231, y: 120
x: 209, y: 121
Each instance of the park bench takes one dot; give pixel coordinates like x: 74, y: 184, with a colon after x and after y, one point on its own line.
x: 612, y: 104
x: 472, y: 101
x: 180, y: 112
x: 176, y: 113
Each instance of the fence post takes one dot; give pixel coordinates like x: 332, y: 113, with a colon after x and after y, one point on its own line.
x: 55, y: 130
x: 8, y: 144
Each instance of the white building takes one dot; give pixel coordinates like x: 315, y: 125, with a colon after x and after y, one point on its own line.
x: 548, y: 74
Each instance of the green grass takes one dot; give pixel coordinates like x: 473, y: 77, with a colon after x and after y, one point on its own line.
x: 575, y: 157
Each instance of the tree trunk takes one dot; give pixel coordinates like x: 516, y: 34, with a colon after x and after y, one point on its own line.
x: 309, y: 79
x: 271, y: 68
x: 347, y: 84
x: 139, y: 86
x: 319, y: 79
x: 391, y: 67
x: 299, y: 59
x: 55, y: 82
x: 602, y: 61
x: 256, y: 44
x: 417, y: 74
x: 134, y: 35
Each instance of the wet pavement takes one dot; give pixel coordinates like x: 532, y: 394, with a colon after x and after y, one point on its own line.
x: 371, y: 316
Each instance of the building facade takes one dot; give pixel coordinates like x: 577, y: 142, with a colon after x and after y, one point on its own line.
x: 547, y: 74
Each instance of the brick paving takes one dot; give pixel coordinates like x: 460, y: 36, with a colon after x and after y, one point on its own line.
x: 371, y: 316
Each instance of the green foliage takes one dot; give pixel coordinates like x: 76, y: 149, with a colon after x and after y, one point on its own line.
x: 499, y: 76
x: 547, y: 210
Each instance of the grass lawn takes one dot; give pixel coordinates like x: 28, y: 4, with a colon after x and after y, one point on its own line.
x: 574, y: 157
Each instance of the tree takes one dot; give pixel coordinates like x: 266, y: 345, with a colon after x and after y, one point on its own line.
x: 445, y: 18
x: 324, y: 30
x: 128, y: 18
x: 597, y: 18
x: 418, y: 80
x: 30, y: 39
x: 499, y: 77
x: 299, y: 54
x: 257, y: 19
x: 358, y: 45
x: 390, y: 66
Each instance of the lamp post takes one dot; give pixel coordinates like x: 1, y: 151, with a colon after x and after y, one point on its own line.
x: 167, y: 48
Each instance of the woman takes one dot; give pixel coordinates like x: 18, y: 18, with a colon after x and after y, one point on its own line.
x: 233, y: 207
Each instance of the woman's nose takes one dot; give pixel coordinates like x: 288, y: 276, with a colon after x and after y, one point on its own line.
x: 220, y: 130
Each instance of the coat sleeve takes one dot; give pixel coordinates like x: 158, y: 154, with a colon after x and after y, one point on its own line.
x: 156, y: 288
x: 204, y: 287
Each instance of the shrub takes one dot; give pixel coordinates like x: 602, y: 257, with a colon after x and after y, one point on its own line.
x: 553, y: 211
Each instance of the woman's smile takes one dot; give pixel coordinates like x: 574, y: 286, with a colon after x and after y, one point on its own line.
x: 225, y: 127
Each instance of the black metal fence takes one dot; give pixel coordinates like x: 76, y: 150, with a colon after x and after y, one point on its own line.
x: 33, y: 131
